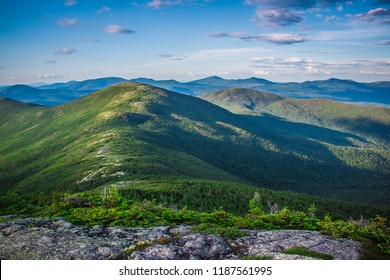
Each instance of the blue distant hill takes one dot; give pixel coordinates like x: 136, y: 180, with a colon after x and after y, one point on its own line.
x: 377, y: 93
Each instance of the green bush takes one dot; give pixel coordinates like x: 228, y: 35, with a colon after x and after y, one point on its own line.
x: 374, y: 230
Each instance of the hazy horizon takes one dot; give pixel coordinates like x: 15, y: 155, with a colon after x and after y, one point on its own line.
x: 39, y: 83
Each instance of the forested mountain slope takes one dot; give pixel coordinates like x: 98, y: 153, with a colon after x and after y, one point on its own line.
x: 133, y: 132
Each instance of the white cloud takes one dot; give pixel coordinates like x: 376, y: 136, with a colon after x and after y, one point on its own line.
x: 277, y: 17
x: 295, y: 60
x: 383, y: 42
x: 279, y: 39
x: 67, y: 21
x: 2, y: 67
x: 378, y: 14
x: 296, y: 64
x: 208, y: 74
x: 48, y: 76
x: 217, y: 73
x: 156, y: 4
x: 160, y: 3
x: 360, y: 34
x: 51, y: 62
x: 292, y: 63
x: 172, y: 57
x: 263, y: 72
x: 65, y: 51
x: 103, y: 9
x: 330, y: 18
x: 217, y: 34
x: 12, y: 78
x: 310, y: 69
x: 117, y: 29
x: 275, y: 13
x: 70, y: 3
x: 284, y: 39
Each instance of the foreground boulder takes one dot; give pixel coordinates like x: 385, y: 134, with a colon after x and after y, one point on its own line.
x: 43, y: 238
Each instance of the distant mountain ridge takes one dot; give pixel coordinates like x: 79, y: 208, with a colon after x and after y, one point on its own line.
x: 377, y: 93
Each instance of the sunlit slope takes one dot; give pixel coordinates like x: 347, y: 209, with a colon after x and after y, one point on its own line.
x: 87, y: 142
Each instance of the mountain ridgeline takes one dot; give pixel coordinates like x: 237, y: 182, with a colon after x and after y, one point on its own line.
x: 131, y: 134
x: 342, y: 90
x: 371, y: 123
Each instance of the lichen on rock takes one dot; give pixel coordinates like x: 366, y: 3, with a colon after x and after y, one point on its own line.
x: 44, y: 238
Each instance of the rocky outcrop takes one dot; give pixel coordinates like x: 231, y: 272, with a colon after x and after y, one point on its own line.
x: 42, y: 238
x: 273, y: 243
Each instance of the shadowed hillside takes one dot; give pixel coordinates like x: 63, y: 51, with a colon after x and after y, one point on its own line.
x: 372, y: 123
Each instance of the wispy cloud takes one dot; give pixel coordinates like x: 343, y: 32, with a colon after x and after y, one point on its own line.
x: 51, y: 62
x: 117, y: 29
x: 70, y: 3
x: 217, y: 34
x: 2, y: 67
x: 91, y: 40
x: 65, y: 51
x: 376, y: 73
x: 103, y: 9
x: 360, y: 35
x: 48, y: 76
x: 12, y: 77
x: 160, y: 3
x: 283, y: 4
x: 172, y: 57
x: 311, y: 66
x: 384, y: 42
x: 277, y: 38
x: 208, y: 74
x: 263, y: 72
x: 293, y: 63
x: 330, y: 18
x: 67, y: 21
x: 156, y: 4
x: 377, y: 15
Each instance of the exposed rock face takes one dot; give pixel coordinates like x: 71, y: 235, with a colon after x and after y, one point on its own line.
x: 192, y: 246
x: 42, y: 238
x: 272, y: 243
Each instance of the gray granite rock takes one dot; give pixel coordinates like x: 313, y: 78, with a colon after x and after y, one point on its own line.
x: 43, y: 238
x: 272, y: 243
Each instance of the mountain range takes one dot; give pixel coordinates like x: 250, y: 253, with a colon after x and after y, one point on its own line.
x: 376, y: 93
x: 130, y: 132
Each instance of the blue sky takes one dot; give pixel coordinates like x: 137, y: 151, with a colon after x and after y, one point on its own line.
x: 295, y: 40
